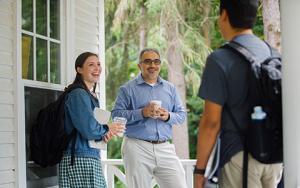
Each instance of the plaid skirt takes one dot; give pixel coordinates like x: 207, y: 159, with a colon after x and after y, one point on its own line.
x: 85, y: 173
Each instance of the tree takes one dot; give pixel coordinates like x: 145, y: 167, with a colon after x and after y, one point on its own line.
x: 176, y: 76
x: 271, y: 22
x: 206, y: 28
x: 143, y: 27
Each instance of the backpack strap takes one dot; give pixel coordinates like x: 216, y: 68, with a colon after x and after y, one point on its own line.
x: 237, y: 47
x: 243, y: 139
x: 274, y: 52
x: 247, y: 54
x: 73, y: 138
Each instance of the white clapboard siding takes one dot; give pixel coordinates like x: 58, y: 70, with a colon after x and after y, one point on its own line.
x: 5, y: 18
x: 6, y: 44
x: 6, y: 58
x: 6, y: 111
x: 7, y: 137
x: 87, y: 7
x: 6, y: 85
x: 80, y: 25
x: 6, y: 7
x: 7, y: 177
x: 86, y: 26
x: 7, y: 150
x: 93, y: 3
x: 86, y: 45
x: 86, y: 19
x: 6, y: 71
x: 8, y: 185
x: 7, y: 163
x: 6, y: 124
x: 6, y: 97
x: 82, y: 31
x: 5, y: 32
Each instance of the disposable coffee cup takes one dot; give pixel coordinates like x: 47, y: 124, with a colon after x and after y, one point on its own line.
x: 157, y: 105
x: 122, y: 121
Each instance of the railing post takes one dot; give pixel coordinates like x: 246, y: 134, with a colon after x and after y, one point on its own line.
x: 189, y: 175
x: 110, y: 177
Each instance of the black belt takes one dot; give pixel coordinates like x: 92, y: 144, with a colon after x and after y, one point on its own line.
x: 156, y: 141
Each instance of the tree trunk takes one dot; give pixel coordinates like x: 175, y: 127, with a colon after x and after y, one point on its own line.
x: 143, y: 28
x: 271, y: 19
x: 206, y: 29
x: 176, y: 76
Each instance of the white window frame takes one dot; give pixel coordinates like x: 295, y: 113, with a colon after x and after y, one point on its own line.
x: 61, y: 42
x: 66, y: 46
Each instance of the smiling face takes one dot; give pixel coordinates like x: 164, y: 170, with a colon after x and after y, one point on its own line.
x: 90, y: 71
x: 150, y: 66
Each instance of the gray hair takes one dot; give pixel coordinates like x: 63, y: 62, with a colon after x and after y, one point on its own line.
x: 147, y: 50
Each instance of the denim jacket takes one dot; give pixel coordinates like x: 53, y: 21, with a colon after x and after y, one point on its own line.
x: 79, y: 114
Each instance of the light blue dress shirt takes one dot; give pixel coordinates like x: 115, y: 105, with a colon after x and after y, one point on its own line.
x: 135, y: 95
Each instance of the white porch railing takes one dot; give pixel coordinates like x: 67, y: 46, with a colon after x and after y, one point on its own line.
x: 111, y: 170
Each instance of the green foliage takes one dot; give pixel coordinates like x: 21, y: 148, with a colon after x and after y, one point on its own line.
x: 259, y: 25
x: 195, y: 108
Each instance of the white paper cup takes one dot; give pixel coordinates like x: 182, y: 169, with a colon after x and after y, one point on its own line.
x: 157, y: 105
x: 122, y: 121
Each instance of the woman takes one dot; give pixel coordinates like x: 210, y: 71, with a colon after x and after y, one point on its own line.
x: 86, y: 170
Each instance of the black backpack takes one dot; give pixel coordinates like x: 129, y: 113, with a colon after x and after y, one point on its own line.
x: 48, y: 138
x: 263, y: 142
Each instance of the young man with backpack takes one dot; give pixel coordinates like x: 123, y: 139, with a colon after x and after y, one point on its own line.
x: 225, y: 88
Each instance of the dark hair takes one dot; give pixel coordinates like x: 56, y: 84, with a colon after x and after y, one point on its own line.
x: 79, y: 63
x: 241, y: 13
x: 148, y: 50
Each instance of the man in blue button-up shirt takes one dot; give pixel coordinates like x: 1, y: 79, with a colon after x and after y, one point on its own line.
x: 146, y: 149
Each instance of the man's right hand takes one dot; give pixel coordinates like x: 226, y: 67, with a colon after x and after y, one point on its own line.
x: 148, y: 111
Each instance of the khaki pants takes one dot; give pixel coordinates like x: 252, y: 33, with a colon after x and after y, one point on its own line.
x: 144, y: 161
x: 259, y: 175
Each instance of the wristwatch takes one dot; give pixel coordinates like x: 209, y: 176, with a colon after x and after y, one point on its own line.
x: 200, y: 171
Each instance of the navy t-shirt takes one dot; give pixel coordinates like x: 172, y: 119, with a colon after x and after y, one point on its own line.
x: 224, y: 81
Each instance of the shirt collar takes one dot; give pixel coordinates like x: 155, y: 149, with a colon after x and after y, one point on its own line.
x: 140, y: 80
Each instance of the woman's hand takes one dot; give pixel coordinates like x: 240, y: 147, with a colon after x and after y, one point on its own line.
x: 109, y: 135
x: 116, y: 128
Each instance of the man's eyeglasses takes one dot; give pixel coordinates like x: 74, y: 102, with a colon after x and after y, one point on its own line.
x: 149, y: 61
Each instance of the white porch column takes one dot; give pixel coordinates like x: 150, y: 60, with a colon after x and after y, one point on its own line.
x: 291, y: 90
x: 101, y: 42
